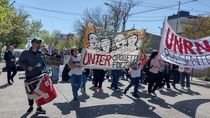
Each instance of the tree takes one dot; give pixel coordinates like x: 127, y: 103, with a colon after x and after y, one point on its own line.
x: 94, y: 16
x: 6, y: 14
x: 75, y: 42
x: 115, y: 10
x: 35, y: 29
x: 125, y: 12
x: 22, y: 30
x: 197, y: 28
x: 109, y: 22
x: 50, y: 38
x: 119, y: 13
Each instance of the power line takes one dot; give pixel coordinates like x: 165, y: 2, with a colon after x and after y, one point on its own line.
x: 145, y: 20
x: 149, y: 16
x: 48, y: 10
x: 165, y: 7
x: 53, y: 17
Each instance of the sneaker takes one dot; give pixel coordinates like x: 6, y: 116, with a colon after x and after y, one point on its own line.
x: 30, y: 109
x: 154, y: 93
x: 40, y: 110
x: 101, y: 90
x: 9, y: 83
x: 135, y: 95
x: 75, y: 99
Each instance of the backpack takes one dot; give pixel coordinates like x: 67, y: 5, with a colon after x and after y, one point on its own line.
x: 147, y: 66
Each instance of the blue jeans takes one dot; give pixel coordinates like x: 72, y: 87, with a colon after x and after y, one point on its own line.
x: 55, y: 74
x: 76, y: 81
x: 84, y: 80
x: 183, y: 77
x: 115, y: 78
x: 134, y: 82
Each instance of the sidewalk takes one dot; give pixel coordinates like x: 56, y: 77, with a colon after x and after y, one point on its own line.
x: 196, y: 81
x: 1, y: 67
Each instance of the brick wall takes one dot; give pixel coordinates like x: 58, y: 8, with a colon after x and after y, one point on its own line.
x: 201, y: 72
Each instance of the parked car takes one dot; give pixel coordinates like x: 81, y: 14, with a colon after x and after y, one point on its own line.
x: 17, y: 53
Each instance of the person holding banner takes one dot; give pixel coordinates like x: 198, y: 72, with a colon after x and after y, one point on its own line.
x: 115, y: 79
x: 75, y: 72
x: 98, y: 76
x: 185, y: 74
x: 153, y: 73
x: 33, y: 62
x: 175, y: 74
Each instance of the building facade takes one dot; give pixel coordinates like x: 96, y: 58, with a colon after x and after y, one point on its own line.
x: 178, y: 20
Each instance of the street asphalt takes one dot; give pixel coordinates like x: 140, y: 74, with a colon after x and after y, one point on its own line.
x: 174, y: 103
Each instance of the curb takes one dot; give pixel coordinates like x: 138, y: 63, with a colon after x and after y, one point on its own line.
x: 1, y: 70
x: 200, y: 84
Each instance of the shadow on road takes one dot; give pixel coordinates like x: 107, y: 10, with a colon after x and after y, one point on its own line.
x: 117, y: 94
x: 25, y: 115
x: 137, y: 108
x: 100, y: 95
x: 67, y: 107
x: 36, y: 115
x: 4, y: 86
x: 189, y: 107
x: 188, y: 92
x: 159, y: 101
x: 170, y: 93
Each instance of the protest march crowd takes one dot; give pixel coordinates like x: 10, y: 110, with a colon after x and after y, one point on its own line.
x: 95, y: 64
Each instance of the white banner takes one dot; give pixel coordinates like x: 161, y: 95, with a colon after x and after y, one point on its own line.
x: 184, y: 52
x: 111, y: 52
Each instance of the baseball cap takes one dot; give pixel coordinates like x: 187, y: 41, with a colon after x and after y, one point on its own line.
x: 36, y: 41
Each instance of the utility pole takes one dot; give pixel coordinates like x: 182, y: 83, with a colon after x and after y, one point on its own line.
x: 177, y: 22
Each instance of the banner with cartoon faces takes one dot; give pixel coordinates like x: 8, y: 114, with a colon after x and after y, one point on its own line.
x: 116, y: 51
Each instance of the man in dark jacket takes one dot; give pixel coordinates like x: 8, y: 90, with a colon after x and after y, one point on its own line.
x: 33, y: 62
x: 10, y: 59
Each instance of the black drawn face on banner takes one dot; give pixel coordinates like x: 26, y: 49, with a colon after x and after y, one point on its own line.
x: 105, y: 45
x: 133, y: 41
x: 93, y: 41
x: 120, y: 42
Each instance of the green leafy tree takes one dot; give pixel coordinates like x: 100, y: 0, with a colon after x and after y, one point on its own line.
x: 6, y: 14
x: 75, y: 42
x: 197, y: 28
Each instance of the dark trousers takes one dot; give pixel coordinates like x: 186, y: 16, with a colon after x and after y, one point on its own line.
x: 153, y: 82
x: 165, y: 80
x: 30, y: 102
x: 11, y: 72
x: 134, y: 82
x: 115, y: 78
x: 98, y: 81
x: 176, y: 77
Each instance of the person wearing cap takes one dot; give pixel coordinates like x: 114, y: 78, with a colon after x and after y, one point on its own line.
x: 33, y: 62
